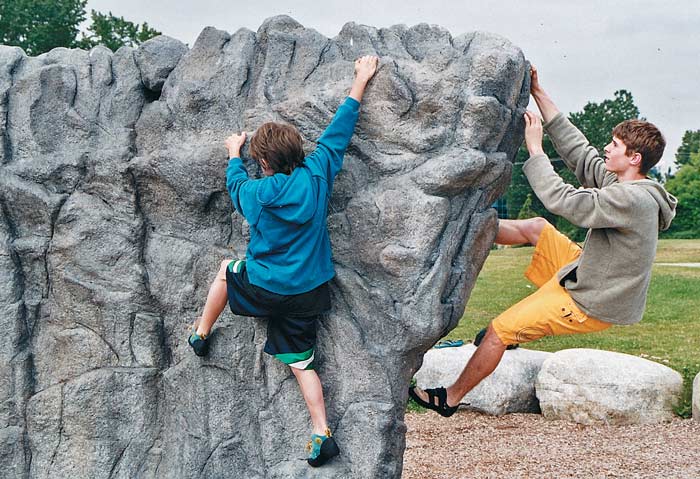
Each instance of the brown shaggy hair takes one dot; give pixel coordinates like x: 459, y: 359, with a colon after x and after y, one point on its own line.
x: 278, y: 144
x: 644, y: 138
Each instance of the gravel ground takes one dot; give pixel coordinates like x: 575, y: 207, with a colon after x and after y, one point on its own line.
x: 526, y: 445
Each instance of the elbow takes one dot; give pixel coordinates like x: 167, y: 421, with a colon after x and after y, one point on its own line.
x: 560, y: 208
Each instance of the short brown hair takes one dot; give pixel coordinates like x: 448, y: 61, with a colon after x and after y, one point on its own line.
x: 279, y: 145
x: 644, y: 138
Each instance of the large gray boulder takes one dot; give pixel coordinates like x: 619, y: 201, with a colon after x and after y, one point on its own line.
x: 589, y: 386
x: 509, y: 389
x: 114, y: 218
x: 696, y: 398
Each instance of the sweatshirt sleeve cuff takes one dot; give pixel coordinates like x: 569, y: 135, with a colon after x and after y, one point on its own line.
x: 533, y: 160
x: 352, y: 103
x: 555, y: 123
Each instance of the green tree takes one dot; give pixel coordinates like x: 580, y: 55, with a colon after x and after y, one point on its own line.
x: 526, y: 210
x: 596, y: 121
x: 37, y: 26
x: 689, y: 144
x: 685, y: 185
x: 115, y: 32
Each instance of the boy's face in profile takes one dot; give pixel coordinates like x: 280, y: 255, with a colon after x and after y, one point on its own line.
x: 616, y: 158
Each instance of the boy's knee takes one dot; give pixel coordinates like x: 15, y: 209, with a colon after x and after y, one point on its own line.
x: 537, y: 224
x: 298, y: 372
x: 533, y: 227
x: 492, y: 337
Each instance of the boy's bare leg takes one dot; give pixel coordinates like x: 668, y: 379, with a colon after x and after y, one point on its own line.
x: 489, y: 353
x: 311, y: 389
x: 511, y: 232
x: 216, y: 301
x: 482, y: 363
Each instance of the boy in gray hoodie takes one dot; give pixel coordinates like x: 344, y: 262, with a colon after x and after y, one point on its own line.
x: 580, y: 289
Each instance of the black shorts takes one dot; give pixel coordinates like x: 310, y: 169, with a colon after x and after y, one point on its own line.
x: 291, y: 319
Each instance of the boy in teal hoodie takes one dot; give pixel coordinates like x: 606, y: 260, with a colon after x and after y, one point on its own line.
x: 285, y: 275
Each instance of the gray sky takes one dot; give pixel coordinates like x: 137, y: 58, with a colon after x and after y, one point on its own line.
x: 584, y: 50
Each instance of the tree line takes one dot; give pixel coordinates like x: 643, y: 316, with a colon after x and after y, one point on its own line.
x: 38, y: 26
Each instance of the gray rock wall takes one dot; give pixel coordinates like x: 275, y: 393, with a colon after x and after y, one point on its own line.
x: 114, y: 218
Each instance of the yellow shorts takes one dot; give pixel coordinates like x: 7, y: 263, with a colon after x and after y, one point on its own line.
x: 549, y: 311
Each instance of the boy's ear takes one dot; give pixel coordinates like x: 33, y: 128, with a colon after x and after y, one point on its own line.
x: 636, y: 159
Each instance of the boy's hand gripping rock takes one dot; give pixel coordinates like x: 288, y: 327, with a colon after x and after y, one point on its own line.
x: 365, y: 68
x: 234, y: 143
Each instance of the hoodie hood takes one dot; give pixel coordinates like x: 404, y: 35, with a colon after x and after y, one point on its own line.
x: 292, y: 198
x: 666, y: 201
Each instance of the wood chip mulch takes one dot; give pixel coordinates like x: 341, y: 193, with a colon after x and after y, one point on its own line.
x: 473, y: 445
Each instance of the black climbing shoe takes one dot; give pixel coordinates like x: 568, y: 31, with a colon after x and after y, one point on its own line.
x: 200, y: 344
x: 321, y: 449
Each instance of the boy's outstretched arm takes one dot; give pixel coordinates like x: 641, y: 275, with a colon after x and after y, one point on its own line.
x: 573, y: 147
x: 585, y: 207
x: 236, y: 174
x: 327, y: 159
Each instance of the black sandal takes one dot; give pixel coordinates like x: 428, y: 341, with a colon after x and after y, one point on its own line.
x: 441, y: 407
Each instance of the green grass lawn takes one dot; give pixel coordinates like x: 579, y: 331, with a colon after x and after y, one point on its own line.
x: 668, y: 334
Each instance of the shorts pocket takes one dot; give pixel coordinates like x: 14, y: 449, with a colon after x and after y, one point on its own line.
x: 572, y: 314
x: 533, y: 332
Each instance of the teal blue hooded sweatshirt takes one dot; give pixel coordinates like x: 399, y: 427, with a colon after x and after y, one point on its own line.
x: 289, y: 250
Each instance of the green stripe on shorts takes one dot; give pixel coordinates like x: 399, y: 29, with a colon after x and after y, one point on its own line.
x: 303, y: 360
x: 236, y: 266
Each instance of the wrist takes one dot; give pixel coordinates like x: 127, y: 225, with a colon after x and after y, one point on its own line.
x: 357, y: 91
x: 234, y: 154
x: 535, y: 151
x: 537, y: 92
x: 361, y: 80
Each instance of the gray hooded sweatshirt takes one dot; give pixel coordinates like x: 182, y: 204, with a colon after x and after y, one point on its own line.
x: 609, y: 281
